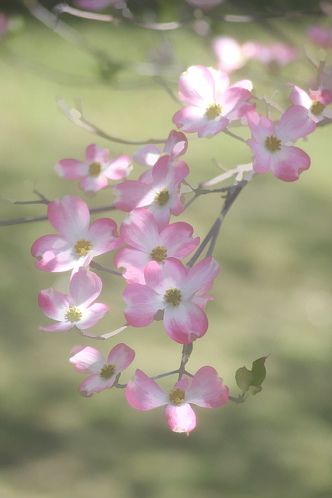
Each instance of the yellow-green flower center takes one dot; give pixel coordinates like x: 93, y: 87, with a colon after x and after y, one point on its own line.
x: 173, y: 297
x: 176, y: 396
x: 82, y: 247
x: 317, y: 108
x: 162, y: 197
x: 213, y: 111
x: 94, y: 169
x: 107, y: 371
x: 73, y: 314
x: 273, y: 143
x: 158, y: 254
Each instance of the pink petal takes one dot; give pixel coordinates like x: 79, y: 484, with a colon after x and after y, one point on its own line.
x: 232, y: 100
x: 201, y: 276
x: 260, y: 127
x: 102, y: 235
x: 176, y: 144
x: 71, y: 169
x: 212, y: 127
x: 177, y: 238
x: 121, y: 356
x: 85, y: 286
x: 142, y: 303
x: 143, y: 393
x: 207, y: 389
x: 134, y: 262
x: 136, y: 226
x: 53, y: 303
x: 300, y: 97
x: 289, y: 163
x: 95, y: 384
x: 294, y: 124
x: 180, y: 418
x: 190, y: 119
x: 185, y: 323
x: 147, y: 155
x: 229, y: 53
x: 70, y: 216
x: 118, y: 168
x: 92, y: 315
x: 53, y: 254
x: 57, y: 327
x: 94, y: 183
x: 196, y: 86
x: 262, y: 157
x: 87, y: 359
x: 131, y: 194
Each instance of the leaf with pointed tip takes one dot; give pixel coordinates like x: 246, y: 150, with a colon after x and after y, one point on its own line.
x: 252, y: 380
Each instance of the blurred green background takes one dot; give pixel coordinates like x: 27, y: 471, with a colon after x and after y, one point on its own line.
x: 273, y: 295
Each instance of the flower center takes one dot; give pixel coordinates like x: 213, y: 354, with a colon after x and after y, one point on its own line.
x: 94, y: 169
x: 162, y: 197
x: 107, y: 371
x: 317, y: 108
x: 273, y: 143
x: 173, y: 296
x: 176, y: 396
x: 82, y: 247
x: 158, y: 254
x: 213, y: 111
x: 73, y: 314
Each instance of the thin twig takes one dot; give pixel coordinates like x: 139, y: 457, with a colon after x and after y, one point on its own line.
x: 99, y: 267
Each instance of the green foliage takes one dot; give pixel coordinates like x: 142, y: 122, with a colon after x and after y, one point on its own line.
x: 252, y: 380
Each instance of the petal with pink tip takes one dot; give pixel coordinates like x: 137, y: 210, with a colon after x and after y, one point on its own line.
x: 87, y: 359
x: 131, y: 194
x: 212, y: 127
x: 134, y: 229
x: 53, y: 253
x: 178, y: 239
x: 134, y: 262
x: 142, y: 303
x: 118, y: 168
x: 102, y: 235
x: 94, y: 183
x: 200, y: 277
x: 196, y: 86
x: 147, y: 155
x: 71, y: 169
x: 57, y: 327
x: 262, y: 157
x: 185, y: 323
x: 207, y: 389
x: 92, y: 315
x: 289, y: 163
x: 176, y: 144
x: 300, y: 97
x: 70, y: 216
x: 95, y: 384
x: 143, y: 393
x: 121, y: 357
x: 190, y: 119
x: 294, y: 124
x: 180, y: 418
x: 53, y: 303
x: 85, y: 286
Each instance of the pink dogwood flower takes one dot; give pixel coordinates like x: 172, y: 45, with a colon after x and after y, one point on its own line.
x: 97, y: 169
x: 317, y: 102
x: 179, y: 292
x: 230, y: 54
x: 271, y: 143
x: 159, y: 190
x: 279, y: 54
x: 204, y: 389
x: 77, y: 308
x: 98, y: 5
x: 175, y: 240
x: 103, y: 373
x: 175, y: 146
x: 76, y: 243
x: 321, y: 36
x: 211, y: 104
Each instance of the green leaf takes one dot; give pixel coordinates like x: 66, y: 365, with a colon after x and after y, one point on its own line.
x: 252, y: 380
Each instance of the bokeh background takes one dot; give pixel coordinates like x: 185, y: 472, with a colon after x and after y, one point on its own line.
x: 273, y: 295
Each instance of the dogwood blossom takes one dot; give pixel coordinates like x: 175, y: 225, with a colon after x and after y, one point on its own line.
x: 279, y: 53
x: 318, y: 102
x: 180, y: 293
x: 230, y: 53
x: 211, y: 104
x: 76, y: 243
x: 321, y: 36
x: 96, y: 170
x: 103, y: 373
x: 204, y: 389
x: 175, y: 240
x: 77, y: 308
x: 159, y: 190
x: 271, y: 141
